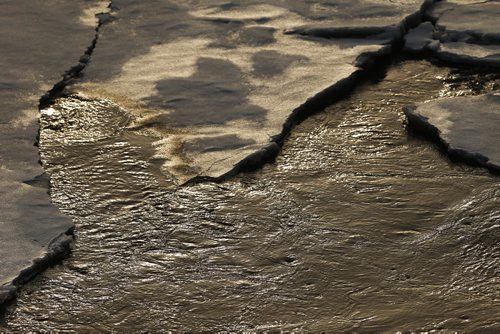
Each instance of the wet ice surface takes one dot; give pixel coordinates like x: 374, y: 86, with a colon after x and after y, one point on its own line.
x: 217, y: 80
x: 357, y: 227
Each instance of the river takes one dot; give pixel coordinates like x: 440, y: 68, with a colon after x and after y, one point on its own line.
x: 359, y: 226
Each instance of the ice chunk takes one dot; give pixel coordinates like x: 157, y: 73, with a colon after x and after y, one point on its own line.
x: 466, y: 126
x: 420, y: 39
x: 473, y: 54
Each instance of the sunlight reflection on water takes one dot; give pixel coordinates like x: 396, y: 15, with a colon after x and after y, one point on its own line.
x: 357, y: 227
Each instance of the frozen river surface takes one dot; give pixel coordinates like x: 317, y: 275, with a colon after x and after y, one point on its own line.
x: 218, y: 176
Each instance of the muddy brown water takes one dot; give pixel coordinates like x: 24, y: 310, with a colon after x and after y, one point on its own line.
x: 357, y: 227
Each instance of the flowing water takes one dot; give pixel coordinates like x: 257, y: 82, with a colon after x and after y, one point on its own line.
x: 357, y: 227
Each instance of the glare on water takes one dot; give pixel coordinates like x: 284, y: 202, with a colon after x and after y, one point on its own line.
x: 358, y: 226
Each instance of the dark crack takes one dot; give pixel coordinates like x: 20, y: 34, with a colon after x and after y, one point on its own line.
x: 75, y: 71
x: 371, y: 65
x: 60, y: 247
x: 343, y: 32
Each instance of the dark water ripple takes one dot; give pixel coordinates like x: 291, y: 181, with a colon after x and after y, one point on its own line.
x: 357, y: 227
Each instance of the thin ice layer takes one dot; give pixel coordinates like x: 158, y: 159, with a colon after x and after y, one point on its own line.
x: 467, y: 126
x: 216, y: 81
